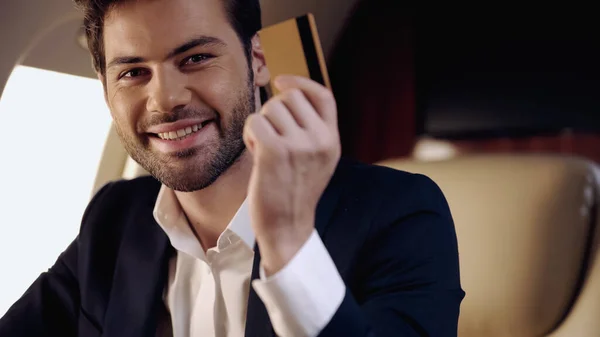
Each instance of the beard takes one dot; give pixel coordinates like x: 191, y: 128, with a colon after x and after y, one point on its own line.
x: 195, y: 168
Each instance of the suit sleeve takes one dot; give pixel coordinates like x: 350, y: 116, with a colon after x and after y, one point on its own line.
x: 409, y: 282
x: 50, y: 307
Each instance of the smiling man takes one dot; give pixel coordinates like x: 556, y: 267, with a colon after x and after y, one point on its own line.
x: 251, y: 224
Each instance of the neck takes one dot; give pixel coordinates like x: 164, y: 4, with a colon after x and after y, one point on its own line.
x: 210, y: 210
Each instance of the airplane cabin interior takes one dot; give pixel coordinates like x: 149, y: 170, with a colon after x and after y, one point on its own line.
x: 499, y: 106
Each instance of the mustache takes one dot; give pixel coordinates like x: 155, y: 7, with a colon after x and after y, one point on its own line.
x: 178, y: 114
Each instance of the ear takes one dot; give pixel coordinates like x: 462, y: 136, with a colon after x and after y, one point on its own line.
x: 259, y: 64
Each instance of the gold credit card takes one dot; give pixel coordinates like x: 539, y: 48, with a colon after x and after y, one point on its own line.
x: 293, y: 47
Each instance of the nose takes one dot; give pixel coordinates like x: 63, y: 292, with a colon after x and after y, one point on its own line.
x: 167, y: 91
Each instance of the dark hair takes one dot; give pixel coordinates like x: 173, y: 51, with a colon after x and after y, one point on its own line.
x: 244, y: 16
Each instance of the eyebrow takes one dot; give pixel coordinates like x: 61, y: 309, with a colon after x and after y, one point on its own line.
x: 203, y: 41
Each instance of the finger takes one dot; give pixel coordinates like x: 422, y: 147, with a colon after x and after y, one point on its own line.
x: 319, y: 96
x: 280, y: 117
x: 300, y: 108
x: 258, y: 132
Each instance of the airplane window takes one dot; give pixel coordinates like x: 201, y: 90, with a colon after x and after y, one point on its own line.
x: 54, y: 127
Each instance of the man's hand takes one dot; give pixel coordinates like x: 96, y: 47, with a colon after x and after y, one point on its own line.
x: 295, y: 146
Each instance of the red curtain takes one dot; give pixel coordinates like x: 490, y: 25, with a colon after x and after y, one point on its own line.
x: 373, y: 79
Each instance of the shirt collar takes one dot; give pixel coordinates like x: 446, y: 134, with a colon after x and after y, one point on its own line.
x: 240, y: 225
x: 169, y: 215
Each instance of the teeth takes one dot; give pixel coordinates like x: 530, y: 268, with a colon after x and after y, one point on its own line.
x: 180, y: 134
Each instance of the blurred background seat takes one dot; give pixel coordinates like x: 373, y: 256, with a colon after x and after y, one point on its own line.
x: 528, y: 243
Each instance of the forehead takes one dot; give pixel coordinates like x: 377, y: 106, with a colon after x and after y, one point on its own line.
x: 148, y: 27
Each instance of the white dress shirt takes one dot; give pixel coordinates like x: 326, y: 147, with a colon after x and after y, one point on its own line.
x: 207, y: 293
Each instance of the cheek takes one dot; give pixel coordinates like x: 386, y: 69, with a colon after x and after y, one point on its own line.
x: 221, y: 90
x: 126, y: 108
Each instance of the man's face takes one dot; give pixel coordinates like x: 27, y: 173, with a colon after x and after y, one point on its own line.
x: 179, y: 88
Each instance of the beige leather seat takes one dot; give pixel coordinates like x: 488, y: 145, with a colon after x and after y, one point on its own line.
x: 528, y: 242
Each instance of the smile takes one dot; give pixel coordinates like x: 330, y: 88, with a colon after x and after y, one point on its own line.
x: 181, y: 133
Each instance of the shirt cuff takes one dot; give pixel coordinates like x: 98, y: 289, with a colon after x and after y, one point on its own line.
x: 303, y: 297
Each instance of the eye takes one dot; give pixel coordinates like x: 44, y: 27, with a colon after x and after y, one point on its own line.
x: 196, y: 59
x: 133, y: 73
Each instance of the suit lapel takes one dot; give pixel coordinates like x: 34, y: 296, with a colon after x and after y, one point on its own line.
x: 140, y: 276
x: 258, y: 323
x: 329, y: 200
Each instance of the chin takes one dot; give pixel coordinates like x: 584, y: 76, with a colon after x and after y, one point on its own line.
x: 187, y: 185
x: 183, y: 181
x: 186, y: 172
x: 187, y: 175
x: 193, y: 169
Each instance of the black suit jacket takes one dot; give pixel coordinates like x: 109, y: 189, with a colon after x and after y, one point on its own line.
x: 389, y: 233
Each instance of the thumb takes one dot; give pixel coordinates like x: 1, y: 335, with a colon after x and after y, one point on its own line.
x: 248, y: 136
